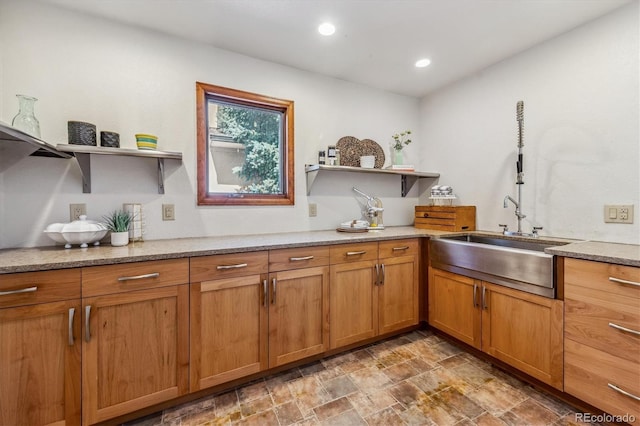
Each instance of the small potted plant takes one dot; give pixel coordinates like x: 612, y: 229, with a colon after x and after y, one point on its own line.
x: 400, y: 141
x: 118, y: 223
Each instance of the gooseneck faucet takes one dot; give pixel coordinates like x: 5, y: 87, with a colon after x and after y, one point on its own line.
x: 519, y: 176
x: 519, y: 214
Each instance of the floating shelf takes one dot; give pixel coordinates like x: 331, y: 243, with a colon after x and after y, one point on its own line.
x: 83, y: 155
x: 16, y: 144
x: 407, y: 178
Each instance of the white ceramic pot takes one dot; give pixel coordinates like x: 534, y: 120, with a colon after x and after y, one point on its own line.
x: 119, y: 238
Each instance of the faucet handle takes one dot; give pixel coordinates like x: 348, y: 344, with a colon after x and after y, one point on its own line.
x: 535, y: 230
x: 505, y: 228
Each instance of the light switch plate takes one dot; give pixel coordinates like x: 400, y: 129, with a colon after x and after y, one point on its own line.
x: 618, y: 213
x: 168, y: 212
x: 313, y: 210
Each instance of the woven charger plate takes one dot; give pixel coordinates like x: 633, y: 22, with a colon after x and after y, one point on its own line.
x: 351, y: 149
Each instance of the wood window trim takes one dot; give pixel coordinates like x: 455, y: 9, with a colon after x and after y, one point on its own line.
x: 206, y: 198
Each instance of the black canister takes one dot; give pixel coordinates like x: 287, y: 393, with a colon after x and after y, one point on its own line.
x: 110, y: 139
x: 81, y: 133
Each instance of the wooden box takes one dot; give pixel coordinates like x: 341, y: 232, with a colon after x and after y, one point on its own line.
x: 446, y: 218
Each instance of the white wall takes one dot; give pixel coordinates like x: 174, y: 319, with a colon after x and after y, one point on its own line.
x: 130, y: 81
x: 581, y: 138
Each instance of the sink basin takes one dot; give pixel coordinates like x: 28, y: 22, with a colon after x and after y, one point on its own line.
x: 535, y: 245
x: 516, y: 263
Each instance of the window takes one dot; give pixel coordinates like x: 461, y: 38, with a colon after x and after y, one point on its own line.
x: 245, y: 148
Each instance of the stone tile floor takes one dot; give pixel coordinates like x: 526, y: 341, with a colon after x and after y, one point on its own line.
x: 414, y: 379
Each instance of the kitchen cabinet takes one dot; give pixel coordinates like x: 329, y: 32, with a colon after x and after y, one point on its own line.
x: 245, y: 320
x: 299, y: 304
x: 135, y: 350
x: 522, y: 329
x: 229, y: 302
x: 602, y: 335
x: 41, y: 346
x: 373, y: 289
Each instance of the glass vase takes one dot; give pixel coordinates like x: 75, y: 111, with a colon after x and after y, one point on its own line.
x: 26, y: 119
x: 398, y: 158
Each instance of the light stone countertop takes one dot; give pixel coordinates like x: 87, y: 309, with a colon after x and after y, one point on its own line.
x: 57, y: 257
x: 621, y: 254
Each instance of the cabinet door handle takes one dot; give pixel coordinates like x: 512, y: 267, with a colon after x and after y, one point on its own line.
x: 382, y: 274
x: 484, y: 297
x: 377, y: 281
x: 400, y: 248
x: 475, y: 291
x: 356, y: 253
x: 624, y: 392
x: 239, y: 265
x: 298, y: 259
x: 72, y: 312
x: 628, y: 330
x: 273, y: 291
x: 140, y: 277
x: 621, y: 281
x: 265, y: 293
x: 87, y: 317
x: 22, y: 290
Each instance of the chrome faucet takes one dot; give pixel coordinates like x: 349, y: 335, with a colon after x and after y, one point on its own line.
x: 519, y: 214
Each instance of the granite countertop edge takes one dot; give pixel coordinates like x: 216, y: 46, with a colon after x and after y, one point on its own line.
x: 56, y: 257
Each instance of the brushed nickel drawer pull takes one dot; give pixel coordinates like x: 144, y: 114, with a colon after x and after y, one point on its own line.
x: 624, y: 392
x: 22, y: 290
x: 620, y: 281
x: 475, y: 290
x: 239, y: 265
x: 265, y: 293
x: 297, y: 259
x: 140, y: 277
x: 87, y: 317
x: 628, y: 330
x: 355, y: 253
x: 273, y: 296
x: 72, y: 312
x: 484, y: 298
x: 400, y: 248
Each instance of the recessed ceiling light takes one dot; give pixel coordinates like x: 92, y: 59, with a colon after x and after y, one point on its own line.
x: 327, y: 29
x: 424, y: 62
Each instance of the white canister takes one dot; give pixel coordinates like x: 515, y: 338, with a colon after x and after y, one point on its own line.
x: 367, y: 161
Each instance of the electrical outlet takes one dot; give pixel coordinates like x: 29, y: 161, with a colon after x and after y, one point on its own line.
x: 618, y: 214
x: 77, y: 210
x: 313, y: 210
x: 168, y: 212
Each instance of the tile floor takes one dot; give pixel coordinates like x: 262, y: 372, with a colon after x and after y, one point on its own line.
x: 414, y: 379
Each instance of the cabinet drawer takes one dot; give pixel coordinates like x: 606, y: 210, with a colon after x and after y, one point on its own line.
x: 99, y: 280
x: 207, y: 268
x: 616, y: 279
x: 296, y: 258
x: 440, y: 226
x: 29, y: 288
x: 603, y: 320
x: 589, y: 372
x: 398, y: 248
x: 345, y: 253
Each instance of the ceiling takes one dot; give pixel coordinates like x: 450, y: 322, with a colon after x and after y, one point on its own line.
x: 376, y: 42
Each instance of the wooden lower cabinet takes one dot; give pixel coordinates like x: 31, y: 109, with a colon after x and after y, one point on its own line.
x: 602, y: 336
x: 354, y: 302
x: 40, y: 348
x: 244, y: 320
x: 519, y: 328
x: 374, y: 290
x: 40, y: 364
x: 298, y: 314
x: 135, y: 343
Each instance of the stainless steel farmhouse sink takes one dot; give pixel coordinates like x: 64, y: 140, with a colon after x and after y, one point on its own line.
x: 516, y: 263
